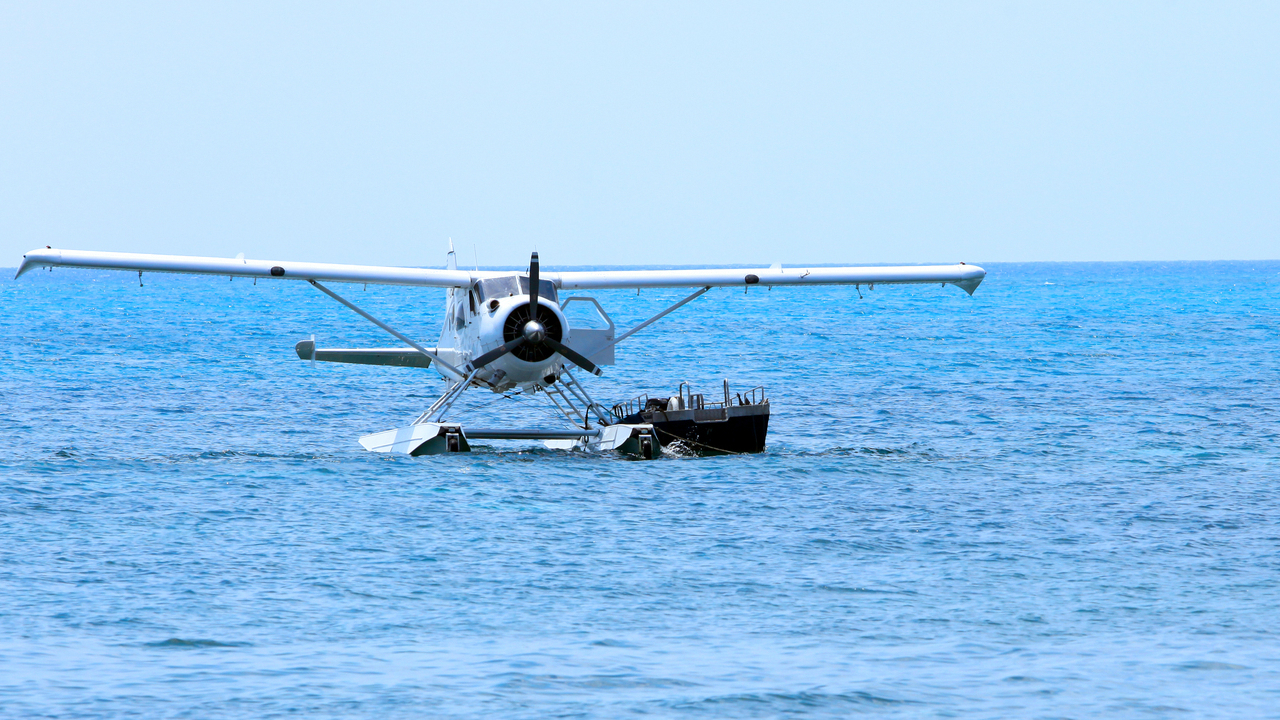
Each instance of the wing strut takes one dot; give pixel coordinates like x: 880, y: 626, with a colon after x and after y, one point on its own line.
x: 450, y: 370
x: 650, y: 321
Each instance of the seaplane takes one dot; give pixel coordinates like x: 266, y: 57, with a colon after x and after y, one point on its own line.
x: 509, y: 332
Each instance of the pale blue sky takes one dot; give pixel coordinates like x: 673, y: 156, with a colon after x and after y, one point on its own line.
x: 643, y: 133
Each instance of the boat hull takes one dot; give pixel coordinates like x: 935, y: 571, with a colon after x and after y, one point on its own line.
x: 713, y: 432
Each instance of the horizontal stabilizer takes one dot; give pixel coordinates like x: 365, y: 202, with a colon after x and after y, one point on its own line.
x: 395, y: 357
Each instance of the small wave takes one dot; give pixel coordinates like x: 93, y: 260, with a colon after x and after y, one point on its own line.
x: 912, y: 451
x: 867, y: 590
x: 238, y: 455
x: 613, y: 643
x: 677, y: 449
x: 517, y: 680
x: 183, y: 643
x: 1208, y: 665
x: 800, y: 701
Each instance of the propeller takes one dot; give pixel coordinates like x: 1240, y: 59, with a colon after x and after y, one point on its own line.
x: 534, y: 287
x: 532, y: 332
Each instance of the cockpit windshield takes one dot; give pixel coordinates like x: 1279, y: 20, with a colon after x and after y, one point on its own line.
x: 501, y: 287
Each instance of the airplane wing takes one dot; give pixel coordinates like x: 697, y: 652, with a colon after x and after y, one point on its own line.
x: 965, y: 277
x: 241, y: 267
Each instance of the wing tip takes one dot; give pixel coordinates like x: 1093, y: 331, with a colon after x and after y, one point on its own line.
x: 974, y: 277
x: 39, y: 257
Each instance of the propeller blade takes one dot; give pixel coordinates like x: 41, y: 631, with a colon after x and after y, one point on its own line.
x: 496, y: 353
x: 533, y: 286
x: 573, y: 356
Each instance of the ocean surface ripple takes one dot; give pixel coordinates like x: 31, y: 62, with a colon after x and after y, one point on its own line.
x: 1056, y: 498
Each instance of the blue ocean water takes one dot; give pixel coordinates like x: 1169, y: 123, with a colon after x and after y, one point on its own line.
x: 1057, y: 498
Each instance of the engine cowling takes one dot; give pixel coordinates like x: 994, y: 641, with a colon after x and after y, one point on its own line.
x: 528, y: 363
x: 519, y: 317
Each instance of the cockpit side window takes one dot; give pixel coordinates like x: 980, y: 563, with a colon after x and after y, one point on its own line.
x: 459, y: 319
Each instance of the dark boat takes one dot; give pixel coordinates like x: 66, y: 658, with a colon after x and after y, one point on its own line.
x: 688, y: 422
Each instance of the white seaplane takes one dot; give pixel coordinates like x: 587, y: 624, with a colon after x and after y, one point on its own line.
x: 507, y: 330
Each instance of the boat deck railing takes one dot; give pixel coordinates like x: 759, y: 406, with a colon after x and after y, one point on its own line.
x: 686, y: 399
